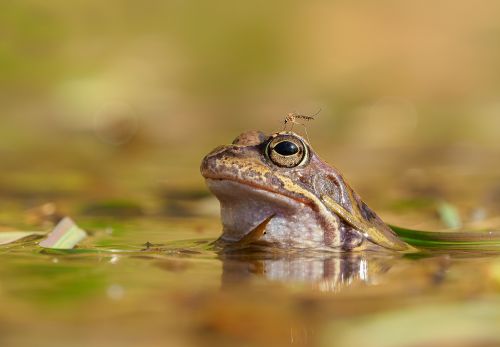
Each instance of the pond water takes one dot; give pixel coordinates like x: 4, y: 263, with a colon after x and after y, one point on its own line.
x: 148, y: 275
x: 107, y: 107
x: 114, y: 290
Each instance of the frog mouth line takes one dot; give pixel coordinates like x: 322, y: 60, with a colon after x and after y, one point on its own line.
x: 260, y: 187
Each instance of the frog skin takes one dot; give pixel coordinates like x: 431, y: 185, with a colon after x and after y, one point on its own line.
x: 276, y: 191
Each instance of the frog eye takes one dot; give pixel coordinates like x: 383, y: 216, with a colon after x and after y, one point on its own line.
x: 286, y: 151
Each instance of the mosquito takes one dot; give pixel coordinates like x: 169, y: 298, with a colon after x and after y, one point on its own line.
x: 293, y: 118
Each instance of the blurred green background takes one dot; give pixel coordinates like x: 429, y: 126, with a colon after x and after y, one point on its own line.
x: 97, y: 96
x: 107, y: 108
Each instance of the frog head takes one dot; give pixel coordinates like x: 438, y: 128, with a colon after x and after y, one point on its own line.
x: 275, y: 189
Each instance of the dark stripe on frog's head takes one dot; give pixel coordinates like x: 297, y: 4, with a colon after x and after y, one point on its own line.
x: 366, y: 212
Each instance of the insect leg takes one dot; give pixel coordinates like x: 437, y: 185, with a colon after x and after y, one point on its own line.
x: 305, y: 129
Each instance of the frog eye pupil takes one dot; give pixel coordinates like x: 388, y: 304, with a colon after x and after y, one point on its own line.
x: 286, y: 148
x: 286, y: 151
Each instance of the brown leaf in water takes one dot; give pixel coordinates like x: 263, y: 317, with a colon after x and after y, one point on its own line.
x: 255, y: 234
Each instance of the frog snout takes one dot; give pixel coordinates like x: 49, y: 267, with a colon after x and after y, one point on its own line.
x: 207, y: 165
x: 221, y: 161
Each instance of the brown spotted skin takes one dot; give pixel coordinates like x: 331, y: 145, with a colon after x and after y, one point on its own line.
x: 245, y: 161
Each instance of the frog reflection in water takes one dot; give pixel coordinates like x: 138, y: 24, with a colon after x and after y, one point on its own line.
x: 337, y: 271
x: 332, y: 272
x: 276, y: 191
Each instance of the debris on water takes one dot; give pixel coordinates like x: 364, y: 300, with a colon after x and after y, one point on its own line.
x: 253, y: 237
x: 7, y: 237
x: 449, y: 215
x: 66, y: 235
x: 188, y: 251
x: 150, y: 244
x: 114, y: 259
x: 154, y: 247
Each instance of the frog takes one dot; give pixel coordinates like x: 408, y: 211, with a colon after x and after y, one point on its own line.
x: 275, y: 191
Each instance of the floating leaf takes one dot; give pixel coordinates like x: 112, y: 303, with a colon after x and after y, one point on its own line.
x: 449, y: 215
x: 256, y: 233
x: 458, y: 240
x: 65, y: 235
x: 7, y: 237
